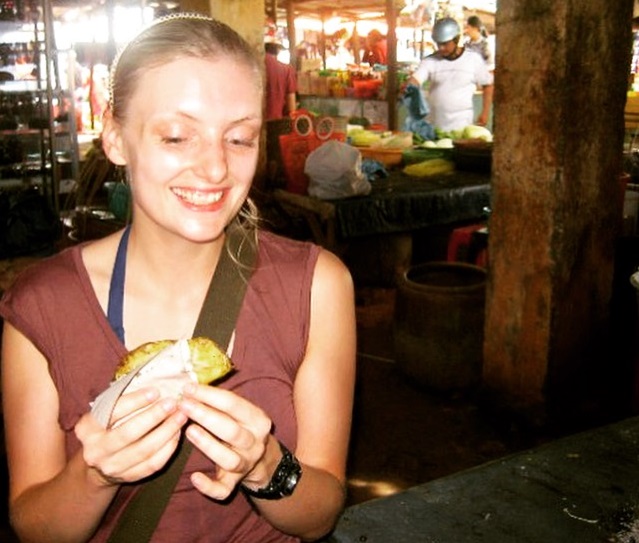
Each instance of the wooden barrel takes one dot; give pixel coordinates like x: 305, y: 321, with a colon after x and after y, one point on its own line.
x: 439, y: 324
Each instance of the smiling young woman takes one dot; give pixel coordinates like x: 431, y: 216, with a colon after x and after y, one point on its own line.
x: 270, y: 442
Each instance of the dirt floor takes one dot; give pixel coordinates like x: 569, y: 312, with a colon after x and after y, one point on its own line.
x: 404, y: 435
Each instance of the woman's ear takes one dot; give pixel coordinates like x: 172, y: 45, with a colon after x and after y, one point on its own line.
x: 112, y: 140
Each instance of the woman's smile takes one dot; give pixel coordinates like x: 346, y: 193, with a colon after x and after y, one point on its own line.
x: 198, y: 198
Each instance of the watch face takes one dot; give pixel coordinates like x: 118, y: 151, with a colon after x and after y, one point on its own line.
x: 291, y: 480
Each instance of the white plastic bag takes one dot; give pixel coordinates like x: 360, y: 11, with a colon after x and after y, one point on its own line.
x: 335, y: 171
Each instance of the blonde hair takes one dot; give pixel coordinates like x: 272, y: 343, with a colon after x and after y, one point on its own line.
x: 169, y: 38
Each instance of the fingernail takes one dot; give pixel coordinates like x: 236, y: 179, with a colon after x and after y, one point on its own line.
x: 169, y: 405
x: 194, y: 434
x: 189, y: 389
x: 181, y: 418
x: 152, y: 394
x: 186, y: 405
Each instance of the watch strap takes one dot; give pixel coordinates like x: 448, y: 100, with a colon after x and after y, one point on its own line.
x: 284, y: 480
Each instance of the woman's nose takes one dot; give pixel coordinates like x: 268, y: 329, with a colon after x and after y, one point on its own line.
x: 211, y: 162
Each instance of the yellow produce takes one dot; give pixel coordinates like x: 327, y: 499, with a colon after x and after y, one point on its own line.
x: 364, y: 138
x: 400, y: 140
x: 434, y: 166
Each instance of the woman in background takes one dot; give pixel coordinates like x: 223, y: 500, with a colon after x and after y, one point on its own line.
x: 478, y: 40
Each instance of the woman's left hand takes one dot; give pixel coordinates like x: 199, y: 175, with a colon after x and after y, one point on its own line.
x: 229, y: 430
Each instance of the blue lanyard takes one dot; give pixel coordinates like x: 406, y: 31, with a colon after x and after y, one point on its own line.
x: 115, y: 308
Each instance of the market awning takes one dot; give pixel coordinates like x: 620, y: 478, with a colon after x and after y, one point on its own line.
x: 348, y: 9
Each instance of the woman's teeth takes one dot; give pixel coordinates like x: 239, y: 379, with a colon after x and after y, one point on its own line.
x: 197, y: 197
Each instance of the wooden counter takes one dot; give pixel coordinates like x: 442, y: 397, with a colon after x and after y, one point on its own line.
x: 397, y: 204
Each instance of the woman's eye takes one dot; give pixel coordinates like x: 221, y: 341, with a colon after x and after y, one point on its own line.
x: 249, y: 142
x: 173, y: 140
x: 175, y: 134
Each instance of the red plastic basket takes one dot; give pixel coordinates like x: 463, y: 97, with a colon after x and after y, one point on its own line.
x: 296, y: 146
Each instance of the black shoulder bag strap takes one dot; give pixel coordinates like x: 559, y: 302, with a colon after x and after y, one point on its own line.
x: 217, y: 321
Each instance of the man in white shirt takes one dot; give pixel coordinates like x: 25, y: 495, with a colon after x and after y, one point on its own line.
x: 454, y: 74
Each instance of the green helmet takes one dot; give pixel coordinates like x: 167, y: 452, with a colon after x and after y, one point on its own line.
x: 446, y: 29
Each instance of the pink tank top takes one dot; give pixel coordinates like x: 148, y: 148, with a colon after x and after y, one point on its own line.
x: 83, y: 351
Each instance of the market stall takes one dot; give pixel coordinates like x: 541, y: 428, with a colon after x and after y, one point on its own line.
x: 329, y: 43
x: 419, y: 193
x: 399, y: 203
x: 356, y: 14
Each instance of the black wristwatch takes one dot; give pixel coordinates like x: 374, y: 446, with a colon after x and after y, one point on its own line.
x: 284, y: 480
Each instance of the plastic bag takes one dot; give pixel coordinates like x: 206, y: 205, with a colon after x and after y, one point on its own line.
x: 306, y: 136
x: 335, y: 171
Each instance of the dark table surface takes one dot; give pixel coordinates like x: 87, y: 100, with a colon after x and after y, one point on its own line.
x: 400, y: 203
x: 582, y: 488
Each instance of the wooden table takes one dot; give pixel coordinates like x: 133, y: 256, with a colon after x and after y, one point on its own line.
x: 396, y: 204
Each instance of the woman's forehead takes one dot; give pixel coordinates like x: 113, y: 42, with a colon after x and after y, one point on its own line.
x: 190, y: 83
x: 219, y: 72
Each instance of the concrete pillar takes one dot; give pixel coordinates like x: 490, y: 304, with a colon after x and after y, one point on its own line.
x: 201, y: 6
x: 247, y: 17
x: 560, y: 84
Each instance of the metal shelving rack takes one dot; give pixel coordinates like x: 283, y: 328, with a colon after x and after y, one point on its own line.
x: 55, y: 91
x: 54, y: 95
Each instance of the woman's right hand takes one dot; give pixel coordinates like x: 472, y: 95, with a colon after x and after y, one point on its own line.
x: 143, y: 434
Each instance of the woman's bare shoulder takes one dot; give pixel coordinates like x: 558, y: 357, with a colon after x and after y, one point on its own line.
x: 329, y: 262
